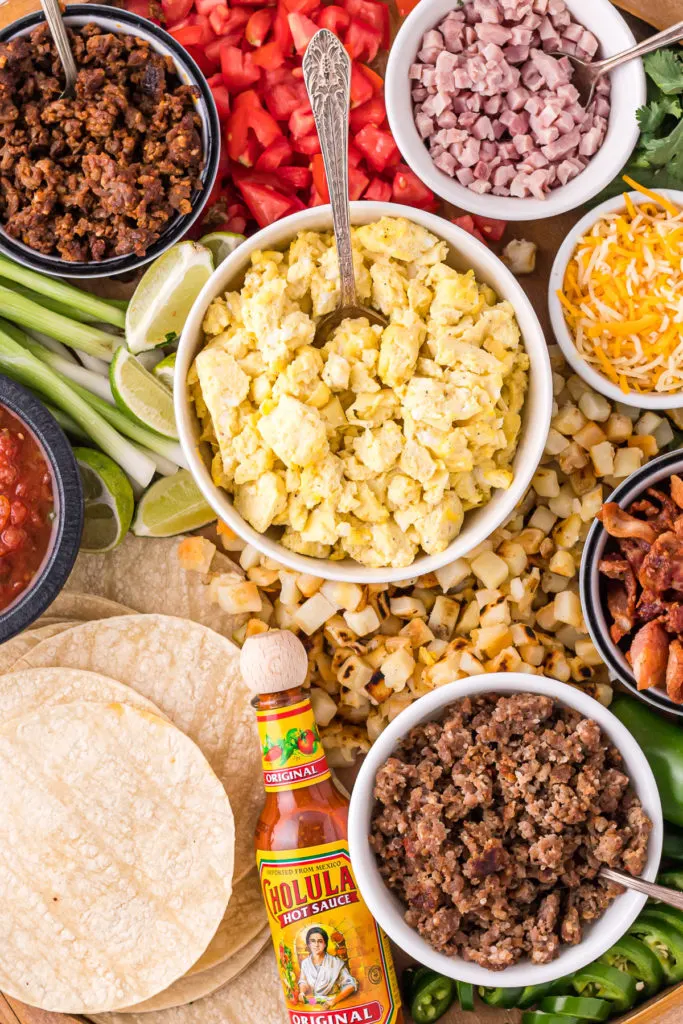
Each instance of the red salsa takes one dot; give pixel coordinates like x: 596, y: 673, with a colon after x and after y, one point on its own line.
x: 26, y: 507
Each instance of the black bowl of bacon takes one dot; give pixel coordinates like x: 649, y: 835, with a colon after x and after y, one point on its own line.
x: 632, y: 582
x: 41, y: 508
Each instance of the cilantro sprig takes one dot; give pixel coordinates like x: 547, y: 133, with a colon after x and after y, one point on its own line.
x: 657, y: 161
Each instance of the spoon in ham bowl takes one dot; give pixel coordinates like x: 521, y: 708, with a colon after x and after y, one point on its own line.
x: 586, y: 76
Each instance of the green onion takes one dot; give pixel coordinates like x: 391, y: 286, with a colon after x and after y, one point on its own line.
x: 108, y: 311
x: 30, y: 315
x: 20, y: 364
x: 65, y: 421
x: 72, y: 371
x: 54, y: 305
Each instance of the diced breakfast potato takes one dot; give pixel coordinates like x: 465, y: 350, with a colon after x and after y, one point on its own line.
x: 196, y: 553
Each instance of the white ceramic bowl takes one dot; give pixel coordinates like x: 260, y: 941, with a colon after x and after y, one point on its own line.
x: 628, y: 93
x: 466, y: 252
x: 386, y: 907
x: 598, y: 381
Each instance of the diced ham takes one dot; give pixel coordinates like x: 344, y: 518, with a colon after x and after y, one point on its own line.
x: 424, y: 124
x: 496, y: 108
x: 483, y: 129
x: 446, y: 163
x: 489, y: 32
x: 464, y: 176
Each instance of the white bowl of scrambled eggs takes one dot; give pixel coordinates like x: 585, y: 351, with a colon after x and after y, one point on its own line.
x: 386, y: 454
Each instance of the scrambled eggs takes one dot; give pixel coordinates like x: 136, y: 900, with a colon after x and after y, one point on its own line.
x: 376, y: 444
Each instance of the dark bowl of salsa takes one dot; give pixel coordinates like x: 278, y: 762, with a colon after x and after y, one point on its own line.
x: 41, y: 508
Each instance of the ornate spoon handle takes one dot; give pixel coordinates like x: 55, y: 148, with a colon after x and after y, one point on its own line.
x: 327, y: 74
x: 669, y: 35
x: 53, y: 16
x: 655, y: 892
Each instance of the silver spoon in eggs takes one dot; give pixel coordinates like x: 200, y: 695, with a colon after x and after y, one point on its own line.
x: 327, y: 75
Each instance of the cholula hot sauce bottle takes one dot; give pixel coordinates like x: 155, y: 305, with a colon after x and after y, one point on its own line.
x: 334, y: 961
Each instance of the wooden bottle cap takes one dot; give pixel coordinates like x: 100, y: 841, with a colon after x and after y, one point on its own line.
x: 274, y: 661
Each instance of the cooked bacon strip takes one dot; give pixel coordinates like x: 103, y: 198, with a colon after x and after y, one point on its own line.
x: 648, y: 507
x: 614, y: 566
x: 666, y: 518
x: 677, y: 490
x: 650, y: 607
x: 674, y: 672
x: 635, y: 550
x: 674, y: 617
x: 619, y: 523
x: 621, y: 601
x: 649, y: 655
x: 662, y: 568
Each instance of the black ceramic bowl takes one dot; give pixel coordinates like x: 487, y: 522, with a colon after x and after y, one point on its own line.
x: 68, y: 502
x: 593, y: 583
x: 127, y: 23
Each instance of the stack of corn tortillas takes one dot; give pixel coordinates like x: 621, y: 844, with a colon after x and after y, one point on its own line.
x: 94, y: 669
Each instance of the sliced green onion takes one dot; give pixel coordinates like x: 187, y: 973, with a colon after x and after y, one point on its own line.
x: 54, y: 305
x: 66, y: 422
x: 20, y: 364
x: 30, y: 315
x: 109, y: 311
x: 53, y: 345
x: 73, y: 371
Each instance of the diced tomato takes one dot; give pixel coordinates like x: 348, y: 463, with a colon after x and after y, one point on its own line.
x: 333, y: 18
x: 174, y: 10
x: 283, y: 99
x: 377, y: 146
x: 269, y: 56
x: 297, y: 177
x: 275, y: 154
x: 266, y: 203
x: 253, y: 3
x: 238, y: 69
x: 207, y: 65
x: 319, y: 179
x: 206, y: 6
x: 281, y: 32
x: 316, y: 199
x: 265, y: 127
x: 407, y: 188
x: 372, y: 112
x: 249, y: 152
x: 406, y: 6
x: 301, y: 6
x: 361, y: 89
x: 145, y: 8
x: 378, y: 190
x: 358, y: 182
x: 492, y: 230
x: 466, y: 222
x: 220, y: 20
x: 220, y: 95
x: 259, y: 26
x: 187, y: 35
x: 309, y: 145
x: 372, y: 13
x: 375, y: 80
x: 232, y: 34
x: 302, y: 29
x: 355, y: 155
x: 301, y: 121
x: 207, y: 32
x: 362, y: 41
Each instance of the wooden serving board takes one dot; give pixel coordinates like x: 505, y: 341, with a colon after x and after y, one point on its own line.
x: 666, y: 1008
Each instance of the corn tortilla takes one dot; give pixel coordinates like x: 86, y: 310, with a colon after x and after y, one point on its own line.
x: 192, y: 674
x: 24, y: 692
x: 17, y: 646
x: 71, y: 604
x: 99, y: 869
x: 255, y: 997
x: 244, y: 918
x: 144, y: 573
x: 191, y: 987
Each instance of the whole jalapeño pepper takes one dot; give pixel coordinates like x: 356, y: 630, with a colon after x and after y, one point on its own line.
x: 334, y: 961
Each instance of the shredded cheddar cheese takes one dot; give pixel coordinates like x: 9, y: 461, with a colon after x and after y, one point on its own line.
x: 622, y: 295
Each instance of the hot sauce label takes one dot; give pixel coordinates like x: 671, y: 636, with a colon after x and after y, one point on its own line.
x: 292, y: 753
x: 334, y: 960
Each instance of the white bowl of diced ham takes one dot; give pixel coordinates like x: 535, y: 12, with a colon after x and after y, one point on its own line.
x: 486, y: 114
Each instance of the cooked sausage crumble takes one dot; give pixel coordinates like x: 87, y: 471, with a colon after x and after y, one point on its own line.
x: 492, y: 824
x: 102, y: 173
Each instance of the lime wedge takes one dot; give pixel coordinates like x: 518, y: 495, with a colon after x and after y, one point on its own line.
x: 163, y: 298
x: 221, y: 244
x: 108, y: 498
x: 172, y: 505
x: 141, y: 395
x: 165, y: 370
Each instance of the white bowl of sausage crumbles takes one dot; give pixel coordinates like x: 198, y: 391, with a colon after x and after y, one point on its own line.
x: 481, y: 817
x: 483, y: 105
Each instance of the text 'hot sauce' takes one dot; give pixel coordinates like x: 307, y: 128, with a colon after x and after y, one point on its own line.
x: 334, y: 961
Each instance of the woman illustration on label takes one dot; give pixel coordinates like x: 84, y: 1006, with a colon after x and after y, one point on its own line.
x: 324, y: 979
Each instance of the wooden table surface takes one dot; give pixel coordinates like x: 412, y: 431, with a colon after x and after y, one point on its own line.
x: 548, y: 235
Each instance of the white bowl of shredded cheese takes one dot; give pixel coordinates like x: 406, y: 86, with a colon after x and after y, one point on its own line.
x: 616, y: 299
